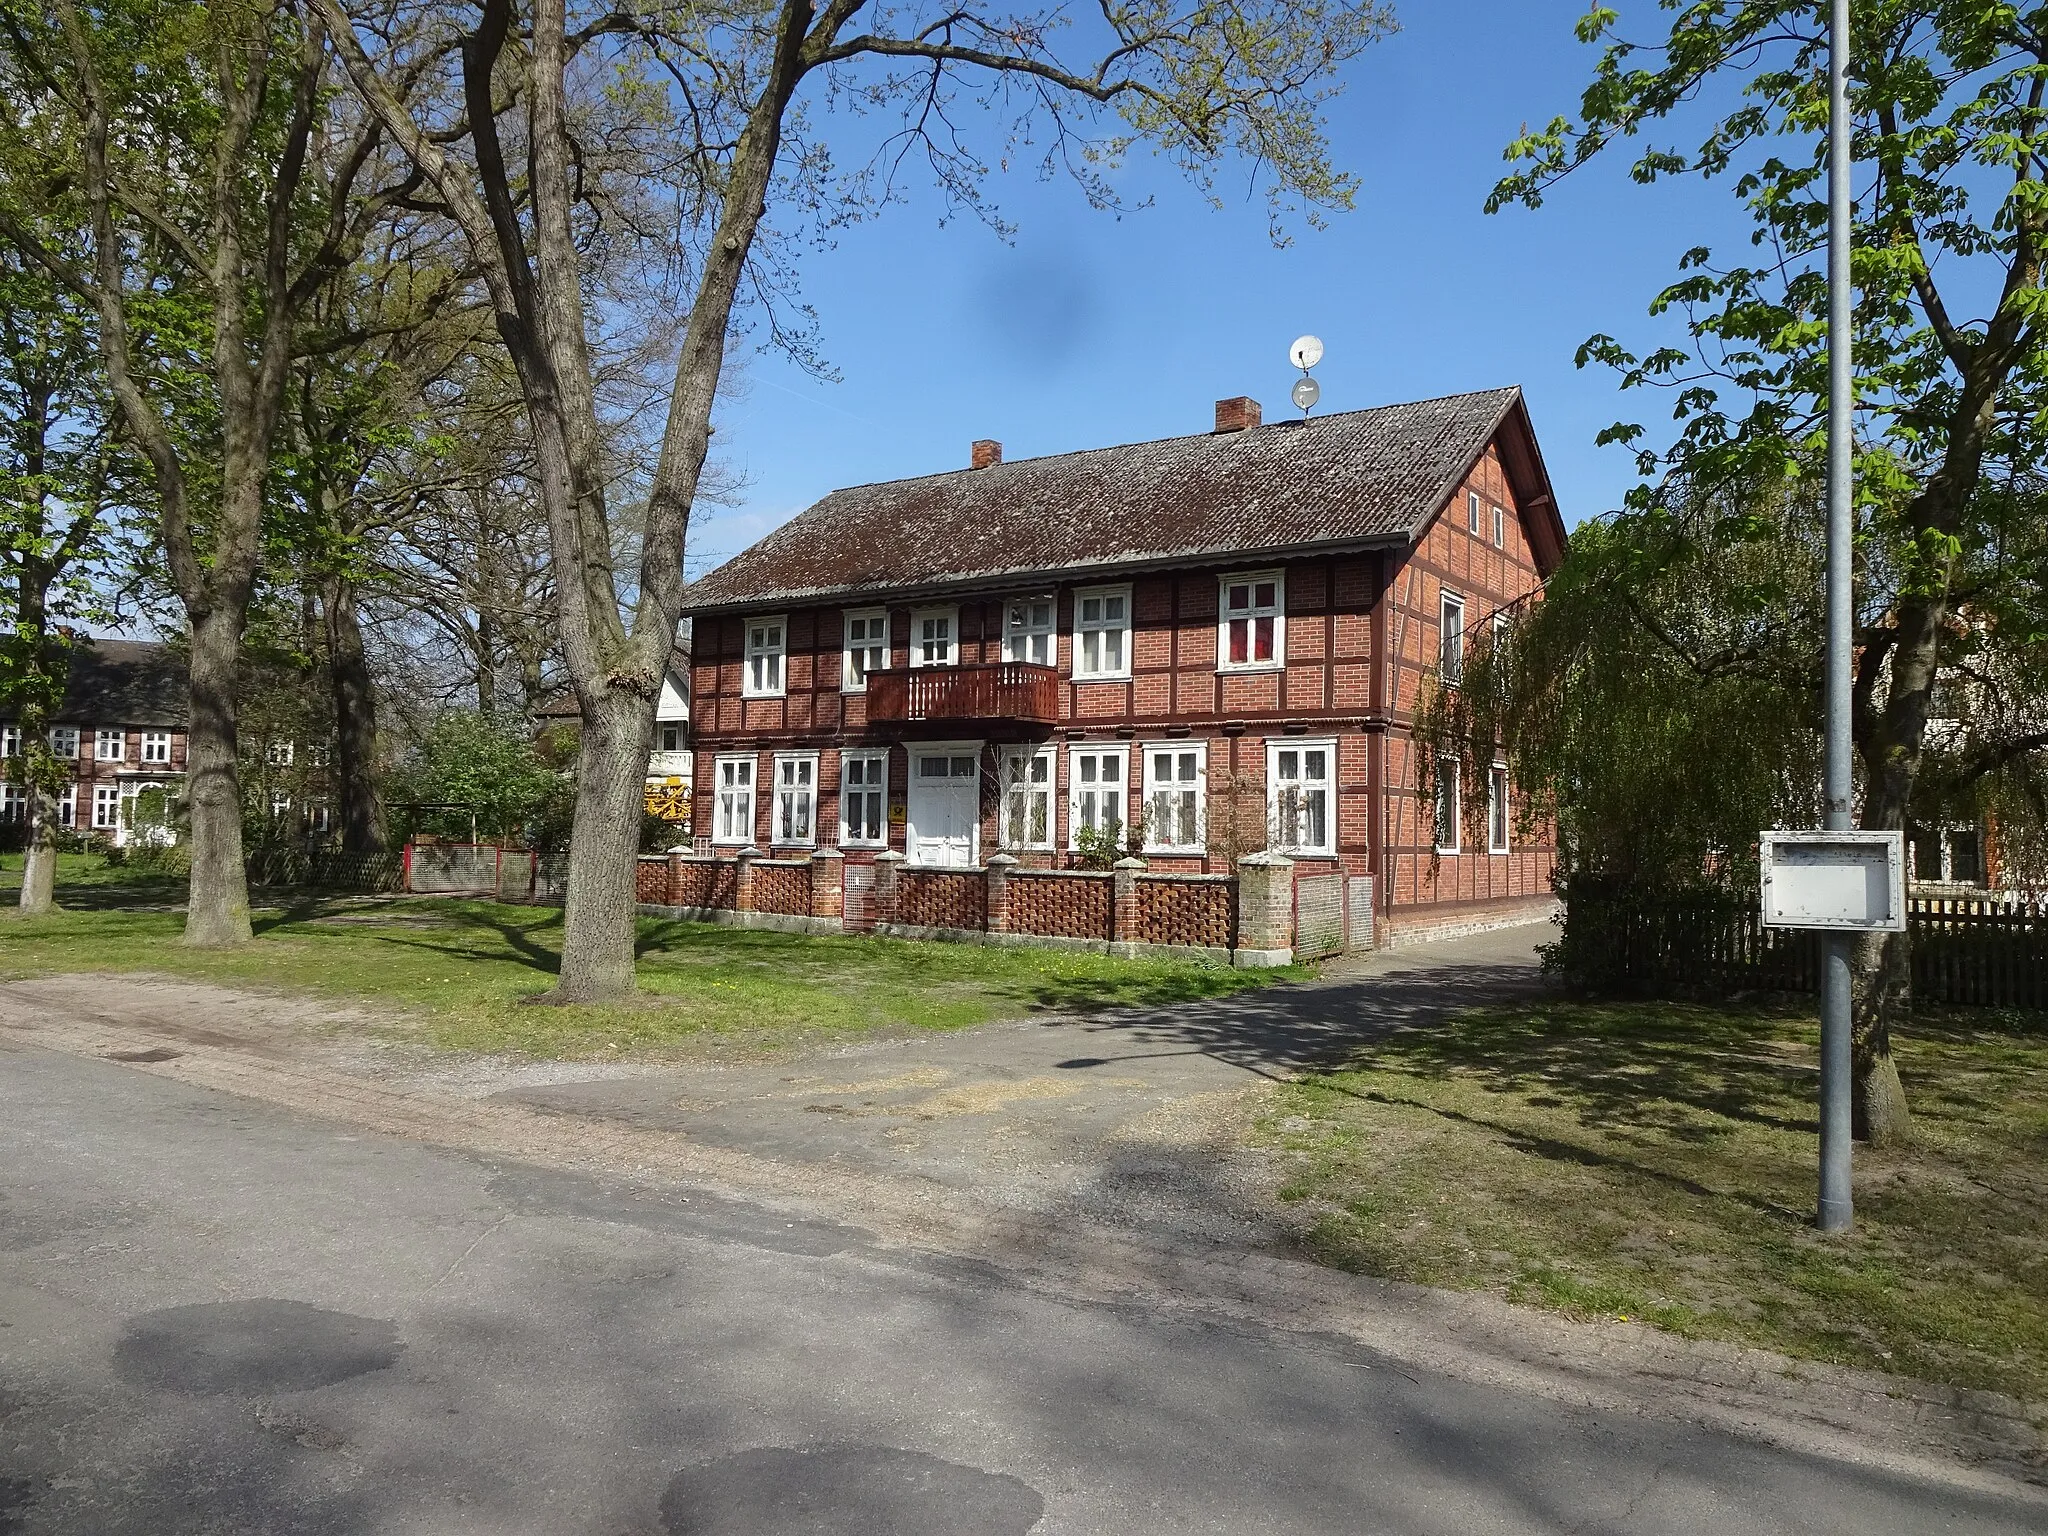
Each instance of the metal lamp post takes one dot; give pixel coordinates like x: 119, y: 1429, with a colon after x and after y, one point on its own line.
x: 1837, y: 1208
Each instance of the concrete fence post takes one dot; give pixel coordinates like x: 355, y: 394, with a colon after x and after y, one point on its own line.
x: 889, y: 887
x: 1124, y: 927
x: 743, y: 879
x: 998, y: 878
x: 828, y: 884
x: 1265, y: 910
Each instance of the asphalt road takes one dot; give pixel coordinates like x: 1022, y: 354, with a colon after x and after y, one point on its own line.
x: 220, y: 1317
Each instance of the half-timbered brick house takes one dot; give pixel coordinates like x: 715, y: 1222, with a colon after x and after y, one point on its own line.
x: 1194, y: 648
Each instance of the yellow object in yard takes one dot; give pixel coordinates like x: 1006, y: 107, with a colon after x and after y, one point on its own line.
x: 670, y: 801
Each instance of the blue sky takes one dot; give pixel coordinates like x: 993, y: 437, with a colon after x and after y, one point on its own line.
x: 1089, y: 329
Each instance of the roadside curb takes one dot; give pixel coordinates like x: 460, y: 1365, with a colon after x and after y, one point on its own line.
x: 1964, y: 1438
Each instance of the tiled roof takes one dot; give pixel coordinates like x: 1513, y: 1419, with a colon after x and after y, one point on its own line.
x: 125, y: 682
x: 1354, y: 478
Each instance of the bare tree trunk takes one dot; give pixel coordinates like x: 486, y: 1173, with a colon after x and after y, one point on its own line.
x: 217, y: 912
x: 611, y: 779
x: 355, y: 719
x: 1881, y: 991
x: 39, y: 871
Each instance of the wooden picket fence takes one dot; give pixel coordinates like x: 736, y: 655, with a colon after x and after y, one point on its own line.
x: 1970, y: 950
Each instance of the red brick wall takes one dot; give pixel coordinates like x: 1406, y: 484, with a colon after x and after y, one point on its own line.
x: 1200, y: 912
x: 932, y: 899
x: 1075, y: 906
x: 782, y: 888
x: 650, y: 880
x: 706, y: 883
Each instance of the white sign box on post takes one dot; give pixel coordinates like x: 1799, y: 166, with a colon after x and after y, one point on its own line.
x: 1849, y: 881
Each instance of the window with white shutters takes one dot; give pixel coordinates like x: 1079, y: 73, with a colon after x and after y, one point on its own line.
x: 1102, y: 632
x: 1451, y: 638
x: 796, y: 798
x: 1301, y: 782
x: 1174, y: 809
x: 1448, y: 811
x: 733, y: 811
x: 1095, y: 788
x: 934, y: 637
x: 1027, y: 798
x: 1252, y: 634
x: 767, y: 653
x: 1028, y: 631
x: 864, y: 799
x: 867, y: 647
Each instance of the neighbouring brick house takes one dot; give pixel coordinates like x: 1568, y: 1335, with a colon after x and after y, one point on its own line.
x: 669, y: 759
x: 122, y: 729
x: 1206, y: 645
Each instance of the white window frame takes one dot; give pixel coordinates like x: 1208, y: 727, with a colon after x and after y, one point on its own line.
x: 917, y: 640
x: 106, y: 802
x: 156, y: 747
x: 1278, y: 747
x: 10, y: 740
x: 1473, y: 525
x: 1276, y: 610
x: 1500, y: 527
x: 278, y: 754
x: 102, y: 739
x: 1075, y: 753
x: 319, y: 754
x: 681, y: 728
x: 776, y: 654
x: 1103, y: 627
x: 1450, y: 637
x: 741, y: 791
x: 1019, y: 639
x: 1499, y: 835
x: 879, y: 788
x: 280, y: 804
x: 795, y: 823
x: 67, y: 806
x: 1006, y: 812
x: 64, y: 741
x: 13, y: 804
x: 1450, y: 774
x: 1154, y: 786
x: 856, y: 657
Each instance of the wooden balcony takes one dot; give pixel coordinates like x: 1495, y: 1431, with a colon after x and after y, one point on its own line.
x: 1001, y: 690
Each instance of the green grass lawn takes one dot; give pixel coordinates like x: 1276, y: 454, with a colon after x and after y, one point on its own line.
x: 460, y: 970
x: 1657, y: 1162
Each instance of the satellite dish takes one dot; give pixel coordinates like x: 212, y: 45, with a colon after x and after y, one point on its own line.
x: 1306, y: 352
x: 1306, y: 393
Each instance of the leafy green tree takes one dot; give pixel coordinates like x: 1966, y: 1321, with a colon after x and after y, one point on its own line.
x: 706, y: 121
x: 1661, y: 700
x: 219, y: 180
x: 485, y: 765
x: 54, y: 527
x: 1950, y: 222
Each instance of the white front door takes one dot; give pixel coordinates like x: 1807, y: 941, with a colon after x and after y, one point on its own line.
x: 945, y: 805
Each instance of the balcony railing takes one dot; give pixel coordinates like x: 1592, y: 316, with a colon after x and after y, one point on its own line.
x: 1003, y: 690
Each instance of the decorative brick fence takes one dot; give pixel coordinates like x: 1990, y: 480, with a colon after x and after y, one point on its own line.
x: 1245, y: 919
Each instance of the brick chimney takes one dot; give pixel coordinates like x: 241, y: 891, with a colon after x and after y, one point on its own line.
x: 1236, y: 413
x: 987, y: 452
